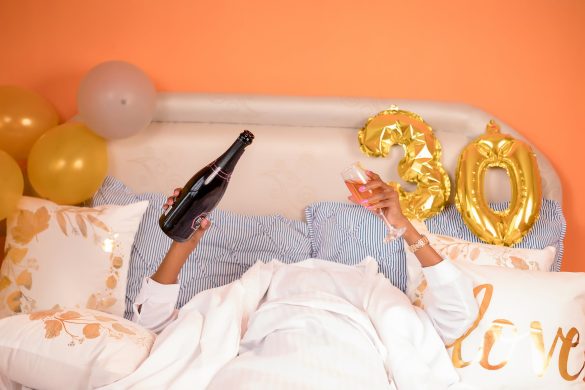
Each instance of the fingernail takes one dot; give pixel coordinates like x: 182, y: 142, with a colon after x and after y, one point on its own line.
x: 362, y: 188
x: 364, y: 201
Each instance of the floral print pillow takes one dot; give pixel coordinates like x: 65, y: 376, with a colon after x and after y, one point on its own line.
x: 71, y: 348
x: 70, y: 256
x: 458, y: 250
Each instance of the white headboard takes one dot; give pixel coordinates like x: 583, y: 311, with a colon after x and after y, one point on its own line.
x: 301, y: 145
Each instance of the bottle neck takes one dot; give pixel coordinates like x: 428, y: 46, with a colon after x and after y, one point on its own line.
x: 227, y: 161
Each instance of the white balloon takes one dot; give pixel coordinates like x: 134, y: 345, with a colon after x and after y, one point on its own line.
x: 116, y: 99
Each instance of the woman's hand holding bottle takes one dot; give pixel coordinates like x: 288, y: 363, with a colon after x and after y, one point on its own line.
x: 196, y: 237
x: 169, y: 268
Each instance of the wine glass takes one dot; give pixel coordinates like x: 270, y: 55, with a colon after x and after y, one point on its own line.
x: 355, y: 176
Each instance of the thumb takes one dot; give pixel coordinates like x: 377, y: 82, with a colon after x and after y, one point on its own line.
x: 203, y: 226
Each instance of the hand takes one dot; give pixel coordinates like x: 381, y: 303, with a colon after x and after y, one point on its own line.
x: 168, y: 270
x: 205, y: 223
x: 384, y: 200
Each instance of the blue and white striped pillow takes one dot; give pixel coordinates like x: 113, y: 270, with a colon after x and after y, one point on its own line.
x: 227, y: 250
x: 346, y: 233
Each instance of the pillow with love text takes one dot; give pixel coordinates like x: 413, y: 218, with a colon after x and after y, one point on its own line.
x: 528, y: 331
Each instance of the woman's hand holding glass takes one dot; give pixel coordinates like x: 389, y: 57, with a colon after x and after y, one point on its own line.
x: 370, y: 191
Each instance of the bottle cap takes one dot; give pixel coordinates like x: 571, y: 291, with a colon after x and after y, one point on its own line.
x: 247, y: 137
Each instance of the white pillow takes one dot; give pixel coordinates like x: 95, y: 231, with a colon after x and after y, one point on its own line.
x: 70, y: 256
x: 458, y: 250
x: 528, y: 332
x: 70, y: 349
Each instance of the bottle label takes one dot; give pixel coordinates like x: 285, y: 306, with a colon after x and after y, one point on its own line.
x: 217, y: 171
x: 197, y: 221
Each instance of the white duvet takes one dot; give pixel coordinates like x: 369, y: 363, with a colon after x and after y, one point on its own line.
x: 311, y: 325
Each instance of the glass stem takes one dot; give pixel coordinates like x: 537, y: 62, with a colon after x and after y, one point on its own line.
x: 388, y: 224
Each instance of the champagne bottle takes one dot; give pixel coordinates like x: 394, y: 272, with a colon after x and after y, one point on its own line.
x: 202, y: 192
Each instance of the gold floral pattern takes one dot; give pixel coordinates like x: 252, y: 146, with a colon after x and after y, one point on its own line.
x: 458, y: 250
x: 78, y: 220
x: 455, y: 250
x: 419, y: 294
x: 19, y: 266
x: 30, y: 224
x: 16, y: 279
x: 81, y: 326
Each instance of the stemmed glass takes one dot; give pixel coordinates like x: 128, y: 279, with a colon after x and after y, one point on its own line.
x: 355, y: 176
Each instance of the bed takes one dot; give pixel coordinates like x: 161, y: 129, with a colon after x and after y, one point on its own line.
x: 286, y: 201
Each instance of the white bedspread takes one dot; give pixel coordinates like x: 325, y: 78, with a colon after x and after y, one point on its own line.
x: 313, y: 325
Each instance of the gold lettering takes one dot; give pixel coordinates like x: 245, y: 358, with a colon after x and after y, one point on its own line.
x: 540, y: 357
x: 456, y: 357
x: 493, y: 334
x: 542, y: 361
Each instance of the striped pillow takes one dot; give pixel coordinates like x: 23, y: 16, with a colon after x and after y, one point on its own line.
x: 227, y: 250
x: 346, y: 233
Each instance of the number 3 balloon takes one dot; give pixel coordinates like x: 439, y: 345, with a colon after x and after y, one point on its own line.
x: 494, y: 149
x: 421, y: 163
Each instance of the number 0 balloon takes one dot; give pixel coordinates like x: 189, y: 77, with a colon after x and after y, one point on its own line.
x: 494, y: 149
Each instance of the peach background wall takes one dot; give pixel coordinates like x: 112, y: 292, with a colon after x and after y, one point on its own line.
x: 522, y: 60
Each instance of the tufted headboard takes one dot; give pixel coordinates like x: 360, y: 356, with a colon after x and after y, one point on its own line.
x: 301, y: 145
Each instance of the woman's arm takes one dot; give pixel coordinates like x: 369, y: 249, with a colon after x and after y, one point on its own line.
x: 449, y: 300
x: 385, y: 199
x: 168, y: 270
x: 154, y: 307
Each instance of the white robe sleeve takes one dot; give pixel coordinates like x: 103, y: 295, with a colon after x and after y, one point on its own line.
x: 154, y: 307
x: 449, y: 300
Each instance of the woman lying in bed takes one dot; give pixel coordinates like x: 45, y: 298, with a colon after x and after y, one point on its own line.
x: 314, y: 324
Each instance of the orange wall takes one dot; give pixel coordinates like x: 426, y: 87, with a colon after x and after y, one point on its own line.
x: 523, y: 61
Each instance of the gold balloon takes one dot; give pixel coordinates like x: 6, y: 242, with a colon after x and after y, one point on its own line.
x: 68, y: 163
x: 12, y: 185
x: 421, y: 163
x: 494, y: 149
x: 24, y: 116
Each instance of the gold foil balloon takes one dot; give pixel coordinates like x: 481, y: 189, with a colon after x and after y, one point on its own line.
x: 490, y: 150
x: 12, y: 184
x: 68, y: 163
x: 421, y: 164
x: 24, y: 116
